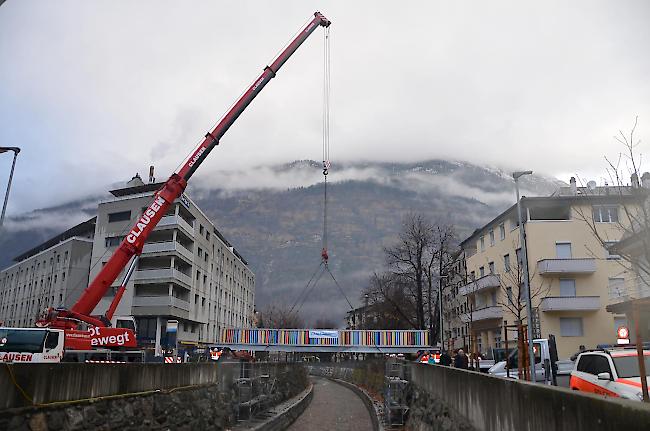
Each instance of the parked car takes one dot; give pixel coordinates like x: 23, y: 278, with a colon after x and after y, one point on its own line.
x: 610, y: 372
x: 543, y: 360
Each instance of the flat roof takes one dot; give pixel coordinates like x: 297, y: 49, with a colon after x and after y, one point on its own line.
x: 79, y: 230
x: 145, y: 188
x: 599, y: 198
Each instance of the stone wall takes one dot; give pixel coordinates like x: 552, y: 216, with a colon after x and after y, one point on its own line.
x: 444, y: 398
x: 162, y: 396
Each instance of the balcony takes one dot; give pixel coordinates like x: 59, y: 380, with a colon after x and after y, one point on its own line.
x: 485, y: 282
x: 578, y: 266
x: 487, y: 313
x: 163, y: 275
x: 175, y: 220
x: 160, y: 301
x: 168, y: 247
x: 160, y: 306
x: 570, y: 303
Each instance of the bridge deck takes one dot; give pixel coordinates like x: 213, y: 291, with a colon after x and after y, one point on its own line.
x: 325, y: 340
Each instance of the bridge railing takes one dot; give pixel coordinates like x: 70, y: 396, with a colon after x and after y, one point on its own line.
x: 326, y: 337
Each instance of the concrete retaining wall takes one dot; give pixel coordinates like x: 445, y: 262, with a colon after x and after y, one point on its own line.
x: 135, y: 396
x: 446, y: 398
x: 46, y: 383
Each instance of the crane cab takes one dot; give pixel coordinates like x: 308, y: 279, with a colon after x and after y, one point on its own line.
x: 31, y: 345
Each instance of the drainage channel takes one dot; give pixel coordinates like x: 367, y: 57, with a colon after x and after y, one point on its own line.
x: 333, y: 407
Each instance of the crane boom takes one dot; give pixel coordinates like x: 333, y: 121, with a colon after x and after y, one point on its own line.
x: 133, y: 243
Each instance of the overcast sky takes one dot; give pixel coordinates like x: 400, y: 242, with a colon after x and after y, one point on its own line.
x: 95, y: 91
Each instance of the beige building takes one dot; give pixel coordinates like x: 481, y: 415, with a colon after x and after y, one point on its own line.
x: 187, y: 271
x: 572, y: 275
x: 52, y: 274
x: 455, y: 306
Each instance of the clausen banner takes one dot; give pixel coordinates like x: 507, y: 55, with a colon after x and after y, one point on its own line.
x: 323, y: 334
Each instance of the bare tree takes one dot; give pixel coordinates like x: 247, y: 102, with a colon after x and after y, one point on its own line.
x: 393, y: 308
x: 513, y: 293
x: 408, y: 260
x: 325, y: 323
x: 279, y: 316
x: 442, y: 248
x: 633, y: 221
x: 407, y: 295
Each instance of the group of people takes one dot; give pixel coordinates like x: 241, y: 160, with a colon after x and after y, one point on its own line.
x: 459, y: 360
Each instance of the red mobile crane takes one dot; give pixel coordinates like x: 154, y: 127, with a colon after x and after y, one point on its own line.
x: 99, y: 332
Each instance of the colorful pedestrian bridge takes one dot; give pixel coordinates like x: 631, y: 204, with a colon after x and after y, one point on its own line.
x: 325, y: 340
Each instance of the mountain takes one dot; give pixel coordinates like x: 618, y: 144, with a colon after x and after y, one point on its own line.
x: 274, y: 216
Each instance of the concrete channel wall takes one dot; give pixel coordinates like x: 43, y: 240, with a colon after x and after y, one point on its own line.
x: 45, y: 383
x: 136, y: 396
x: 446, y: 398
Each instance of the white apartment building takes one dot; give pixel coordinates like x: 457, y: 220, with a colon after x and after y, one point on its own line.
x: 187, y: 271
x: 52, y: 274
x: 573, y: 277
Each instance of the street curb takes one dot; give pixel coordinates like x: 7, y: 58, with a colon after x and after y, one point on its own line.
x: 288, y: 414
x: 367, y: 401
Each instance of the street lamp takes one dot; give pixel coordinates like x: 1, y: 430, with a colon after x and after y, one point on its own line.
x: 524, y: 257
x: 16, y: 150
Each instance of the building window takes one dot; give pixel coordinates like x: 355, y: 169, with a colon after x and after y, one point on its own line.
x: 472, y: 275
x: 502, y: 231
x: 200, y: 252
x: 553, y: 212
x: 563, y: 250
x: 520, y: 257
x: 571, y: 327
x: 506, y: 262
x: 509, y: 295
x: 497, y: 339
x: 491, y: 267
x: 201, y: 229
x: 491, y: 237
x: 481, y: 271
x: 113, y: 241
x: 608, y: 254
x: 119, y: 216
x: 482, y: 241
x: 567, y: 287
x: 605, y: 214
x: 616, y: 287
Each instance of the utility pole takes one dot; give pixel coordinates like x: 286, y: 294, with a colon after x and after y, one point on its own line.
x: 440, y: 278
x: 524, y: 258
x: 16, y: 150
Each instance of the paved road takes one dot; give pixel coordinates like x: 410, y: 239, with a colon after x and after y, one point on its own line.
x: 334, y: 407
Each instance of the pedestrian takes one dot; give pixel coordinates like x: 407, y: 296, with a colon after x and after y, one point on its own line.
x: 460, y: 361
x: 445, y: 359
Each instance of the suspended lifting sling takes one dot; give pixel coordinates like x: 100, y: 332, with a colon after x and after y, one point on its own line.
x: 324, y: 263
